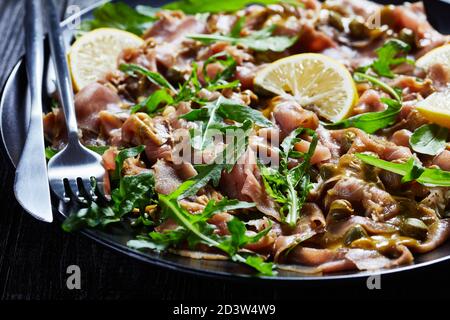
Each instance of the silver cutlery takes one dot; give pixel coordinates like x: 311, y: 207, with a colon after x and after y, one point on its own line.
x: 72, y: 170
x: 31, y: 181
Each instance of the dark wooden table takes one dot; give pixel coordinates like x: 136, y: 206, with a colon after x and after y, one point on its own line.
x: 34, y: 256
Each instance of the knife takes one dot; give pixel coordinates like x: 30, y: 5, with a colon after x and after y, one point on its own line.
x: 31, y: 185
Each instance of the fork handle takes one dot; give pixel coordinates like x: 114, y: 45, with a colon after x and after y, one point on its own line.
x: 62, y: 71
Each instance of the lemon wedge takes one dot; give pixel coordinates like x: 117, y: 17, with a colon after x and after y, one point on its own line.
x: 312, y: 79
x: 439, y: 55
x: 436, y: 108
x: 96, y: 52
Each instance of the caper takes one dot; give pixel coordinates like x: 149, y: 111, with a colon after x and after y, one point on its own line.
x: 355, y: 233
x: 407, y: 36
x: 340, y: 210
x: 347, y: 141
x: 327, y: 171
x: 358, y: 29
x: 335, y: 20
x: 415, y: 228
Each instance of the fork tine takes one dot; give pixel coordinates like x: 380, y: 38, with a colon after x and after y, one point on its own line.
x: 71, y: 189
x: 85, y: 188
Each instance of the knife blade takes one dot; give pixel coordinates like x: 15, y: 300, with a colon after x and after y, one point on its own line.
x: 31, y: 186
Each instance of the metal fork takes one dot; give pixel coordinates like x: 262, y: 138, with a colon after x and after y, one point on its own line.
x: 72, y: 170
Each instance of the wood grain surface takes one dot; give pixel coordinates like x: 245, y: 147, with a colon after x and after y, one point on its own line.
x: 34, y: 256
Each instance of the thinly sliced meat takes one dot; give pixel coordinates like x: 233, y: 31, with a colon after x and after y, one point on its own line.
x: 359, y: 141
x: 109, y: 158
x: 438, y: 233
x: 154, y: 133
x: 411, y: 85
x: 172, y: 26
x: 289, y: 115
x: 377, y: 203
x: 92, y: 99
x: 439, y: 75
x: 370, y: 101
x: 133, y: 167
x: 245, y: 183
x: 442, y: 160
x: 55, y: 127
x: 169, y: 177
x: 336, y: 230
x: 328, y: 261
x: 401, y: 137
x: 321, y: 153
x: 144, y: 55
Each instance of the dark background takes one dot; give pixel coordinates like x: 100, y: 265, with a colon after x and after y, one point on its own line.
x: 34, y: 256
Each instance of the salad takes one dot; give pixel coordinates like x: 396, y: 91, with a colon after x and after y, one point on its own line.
x: 299, y: 135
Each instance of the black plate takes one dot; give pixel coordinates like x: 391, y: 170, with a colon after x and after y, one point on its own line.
x: 14, y: 115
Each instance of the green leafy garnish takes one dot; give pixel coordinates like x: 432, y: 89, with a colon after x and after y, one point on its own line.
x: 410, y: 170
x: 220, y: 80
x: 429, y: 139
x: 290, y: 187
x: 372, y: 121
x: 51, y: 152
x: 195, y: 229
x: 92, y: 216
x: 154, y: 77
x: 392, y: 53
x: 132, y: 192
x: 209, y: 6
x: 261, y: 40
x: 362, y: 77
x: 120, y: 16
x: 153, y: 103
x: 212, y: 172
x: 212, y: 119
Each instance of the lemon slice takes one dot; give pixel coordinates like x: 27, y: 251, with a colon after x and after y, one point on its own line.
x: 96, y: 52
x: 439, y: 55
x: 313, y: 79
x: 436, y: 108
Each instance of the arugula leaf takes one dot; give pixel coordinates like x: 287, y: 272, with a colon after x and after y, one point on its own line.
x: 190, y: 87
x: 264, y: 268
x: 362, y: 77
x: 261, y: 40
x: 220, y: 80
x: 410, y: 171
x: 238, y: 238
x: 92, y: 216
x: 153, y: 102
x: 154, y: 77
x: 125, y: 154
x: 290, y: 187
x: 237, y: 28
x: 371, y: 122
x: 213, y: 115
x: 392, y: 53
x: 429, y: 139
x: 120, y: 16
x: 194, y: 228
x: 230, y: 155
x: 209, y: 6
x: 134, y: 192
x: 50, y: 152
x: 229, y: 109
